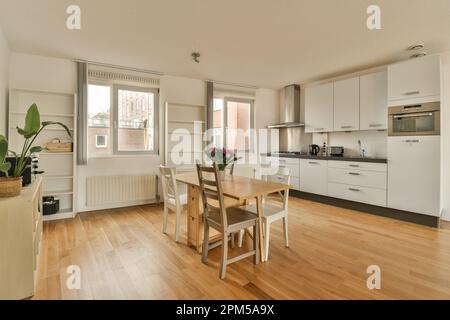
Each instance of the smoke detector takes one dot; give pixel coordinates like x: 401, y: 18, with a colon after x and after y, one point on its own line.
x: 196, y: 57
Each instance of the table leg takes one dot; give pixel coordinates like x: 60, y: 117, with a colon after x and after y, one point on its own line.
x: 259, y: 208
x: 194, y: 218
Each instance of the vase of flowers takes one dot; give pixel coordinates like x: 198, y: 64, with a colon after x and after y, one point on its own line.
x: 223, y: 158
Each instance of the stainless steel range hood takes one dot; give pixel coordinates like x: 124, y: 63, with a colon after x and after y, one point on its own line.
x: 289, y: 108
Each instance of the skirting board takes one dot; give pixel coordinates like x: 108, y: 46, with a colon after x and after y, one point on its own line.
x: 417, y: 218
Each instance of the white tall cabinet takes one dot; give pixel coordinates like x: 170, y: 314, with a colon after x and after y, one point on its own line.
x: 414, y: 174
x: 319, y: 101
x: 346, y: 105
x: 373, y: 101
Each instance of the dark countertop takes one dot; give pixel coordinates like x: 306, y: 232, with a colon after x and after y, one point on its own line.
x: 343, y: 158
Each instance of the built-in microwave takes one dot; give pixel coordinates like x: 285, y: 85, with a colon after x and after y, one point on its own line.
x: 415, y: 120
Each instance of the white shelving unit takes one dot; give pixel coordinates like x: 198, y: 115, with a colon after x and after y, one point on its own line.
x: 59, y: 179
x: 190, y: 119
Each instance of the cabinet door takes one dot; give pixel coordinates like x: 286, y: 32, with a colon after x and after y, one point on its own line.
x: 313, y: 176
x: 414, y: 174
x: 414, y: 81
x: 346, y: 105
x: 373, y: 101
x: 319, y: 108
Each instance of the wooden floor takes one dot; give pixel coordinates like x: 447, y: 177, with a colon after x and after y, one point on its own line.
x: 123, y: 255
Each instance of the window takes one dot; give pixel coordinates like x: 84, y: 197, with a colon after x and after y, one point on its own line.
x: 99, y: 118
x: 134, y: 115
x: 233, y: 121
x: 101, y: 142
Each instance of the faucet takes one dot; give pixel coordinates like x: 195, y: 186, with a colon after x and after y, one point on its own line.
x: 362, y: 152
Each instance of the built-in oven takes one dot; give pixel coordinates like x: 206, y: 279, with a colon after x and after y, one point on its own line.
x: 415, y: 120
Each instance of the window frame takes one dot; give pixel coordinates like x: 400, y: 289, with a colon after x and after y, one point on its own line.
x: 115, y: 118
x: 106, y: 141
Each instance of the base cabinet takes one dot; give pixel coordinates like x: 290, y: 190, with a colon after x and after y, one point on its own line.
x: 414, y: 174
x: 313, y: 176
x: 20, y: 238
x: 375, y: 197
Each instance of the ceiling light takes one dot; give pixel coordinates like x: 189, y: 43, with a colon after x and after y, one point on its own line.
x: 419, y: 55
x: 416, y: 47
x: 196, y: 57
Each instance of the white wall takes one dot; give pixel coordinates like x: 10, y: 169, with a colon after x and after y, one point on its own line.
x: 374, y: 142
x: 445, y: 134
x: 4, y: 82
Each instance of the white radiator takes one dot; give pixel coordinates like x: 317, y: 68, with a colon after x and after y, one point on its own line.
x: 112, y: 191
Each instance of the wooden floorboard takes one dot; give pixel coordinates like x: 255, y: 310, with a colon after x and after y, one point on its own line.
x: 123, y: 255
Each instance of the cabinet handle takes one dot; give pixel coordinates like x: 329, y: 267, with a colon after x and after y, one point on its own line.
x: 375, y: 125
x: 412, y: 141
x: 319, y: 129
x: 415, y: 141
x: 411, y: 93
x: 353, y: 189
x: 354, y: 165
x: 312, y: 162
x: 354, y: 174
x: 346, y: 127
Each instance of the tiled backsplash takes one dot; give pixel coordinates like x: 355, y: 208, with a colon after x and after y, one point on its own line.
x: 373, y: 142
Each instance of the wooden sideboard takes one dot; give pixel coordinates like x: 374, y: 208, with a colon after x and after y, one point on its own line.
x: 20, y: 238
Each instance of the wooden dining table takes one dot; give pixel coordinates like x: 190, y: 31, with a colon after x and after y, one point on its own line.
x: 236, y: 190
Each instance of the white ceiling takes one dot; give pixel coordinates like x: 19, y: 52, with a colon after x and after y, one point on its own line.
x: 268, y: 43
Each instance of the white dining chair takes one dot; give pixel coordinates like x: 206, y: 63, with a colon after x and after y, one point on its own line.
x: 173, y: 200
x: 271, y: 211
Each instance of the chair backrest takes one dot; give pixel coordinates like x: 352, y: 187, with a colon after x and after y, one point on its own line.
x: 169, y: 183
x: 211, y: 189
x: 274, y: 174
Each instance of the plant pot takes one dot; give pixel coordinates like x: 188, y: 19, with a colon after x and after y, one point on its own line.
x: 10, y: 187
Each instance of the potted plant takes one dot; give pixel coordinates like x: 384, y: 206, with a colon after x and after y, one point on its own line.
x: 222, y: 157
x: 9, y: 186
x: 12, y: 186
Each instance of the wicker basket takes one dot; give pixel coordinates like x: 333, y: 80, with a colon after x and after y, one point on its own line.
x: 59, y: 147
x: 10, y: 187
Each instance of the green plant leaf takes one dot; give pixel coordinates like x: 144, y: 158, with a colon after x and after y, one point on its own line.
x: 36, y: 149
x: 32, y: 120
x: 50, y: 123
x: 3, y: 148
x: 4, y: 167
x: 24, y: 133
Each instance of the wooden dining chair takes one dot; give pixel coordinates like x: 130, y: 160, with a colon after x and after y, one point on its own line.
x: 224, y: 220
x: 173, y: 200
x: 271, y: 212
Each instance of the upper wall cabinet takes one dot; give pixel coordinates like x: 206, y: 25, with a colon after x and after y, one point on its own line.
x: 319, y: 108
x: 373, y: 101
x: 346, y: 105
x: 414, y: 81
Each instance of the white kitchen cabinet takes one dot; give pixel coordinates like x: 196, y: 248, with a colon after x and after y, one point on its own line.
x: 414, y: 81
x: 371, y: 179
x: 346, y: 105
x: 373, y: 196
x: 373, y: 101
x: 414, y: 174
x: 293, y: 164
x: 366, y: 166
x: 319, y: 108
x: 313, y: 176
x: 358, y: 181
